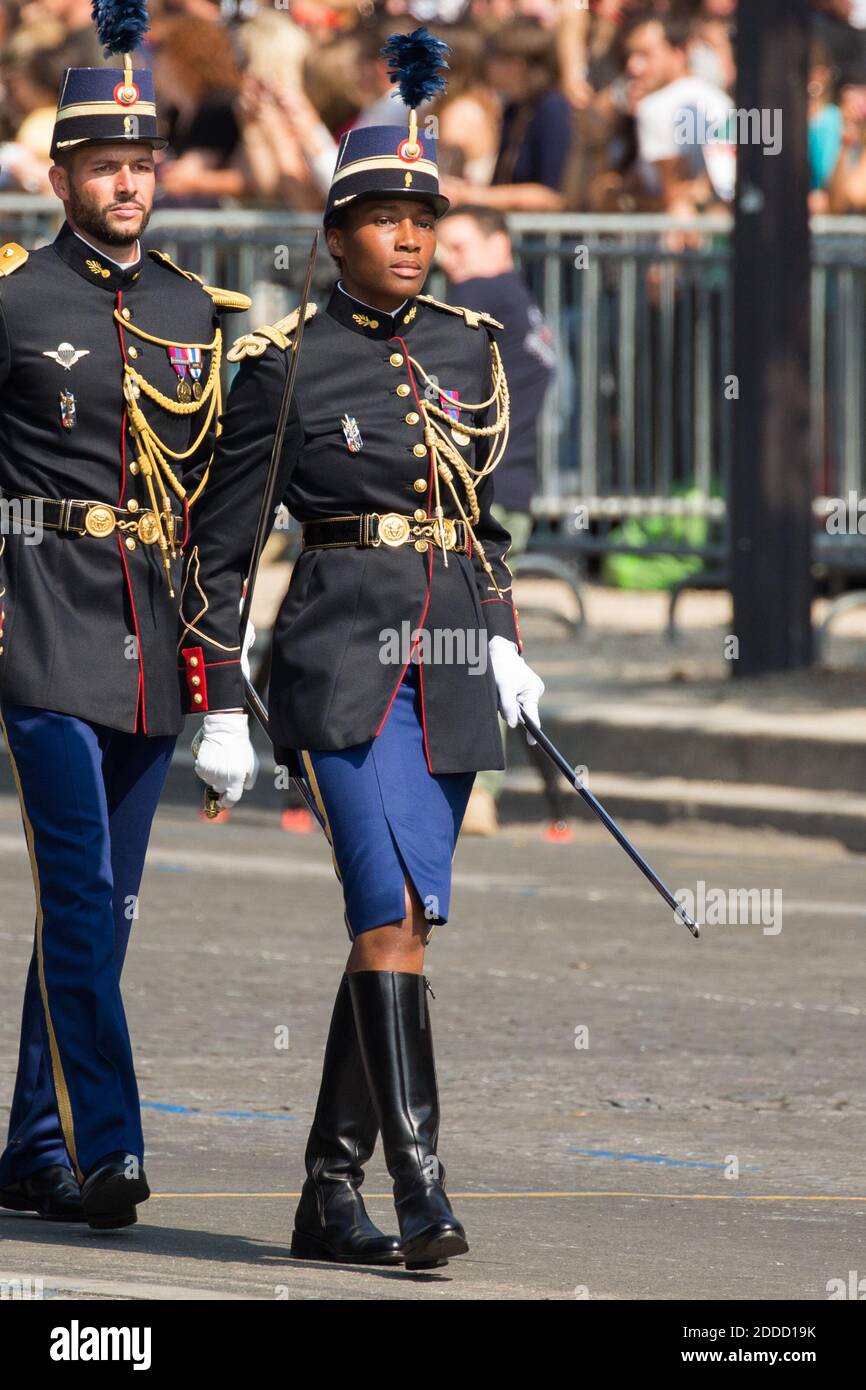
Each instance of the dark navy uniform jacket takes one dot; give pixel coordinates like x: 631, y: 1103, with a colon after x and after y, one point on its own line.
x: 330, y: 687
x: 90, y: 628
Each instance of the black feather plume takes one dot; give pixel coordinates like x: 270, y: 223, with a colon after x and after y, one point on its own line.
x: 120, y: 24
x: 413, y: 60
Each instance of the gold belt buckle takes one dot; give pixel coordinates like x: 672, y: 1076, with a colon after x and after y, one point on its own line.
x: 148, y: 528
x: 450, y: 532
x: 99, y: 521
x: 394, y: 529
x: 429, y: 530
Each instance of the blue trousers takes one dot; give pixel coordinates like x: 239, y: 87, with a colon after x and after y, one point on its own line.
x: 88, y: 795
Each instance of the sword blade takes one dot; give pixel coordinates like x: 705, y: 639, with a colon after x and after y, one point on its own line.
x: 608, y: 822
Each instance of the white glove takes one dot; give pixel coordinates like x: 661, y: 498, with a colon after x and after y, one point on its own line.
x: 517, y: 685
x: 249, y: 639
x: 224, y: 756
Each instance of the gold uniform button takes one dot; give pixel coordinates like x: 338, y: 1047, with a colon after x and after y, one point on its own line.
x: 198, y: 699
x: 420, y: 514
x: 396, y: 359
x: 132, y: 352
x: 193, y: 661
x: 420, y: 485
x: 130, y: 543
x: 419, y: 450
x: 421, y: 545
x: 126, y: 313
x: 413, y: 417
x: 196, y: 680
x: 403, y: 389
x: 133, y: 468
x: 132, y: 505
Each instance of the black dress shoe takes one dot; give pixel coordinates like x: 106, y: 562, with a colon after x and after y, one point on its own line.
x: 393, y: 1022
x: 111, y: 1191
x: 331, y: 1222
x: 52, y: 1193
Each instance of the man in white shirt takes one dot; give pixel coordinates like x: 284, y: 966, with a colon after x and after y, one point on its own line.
x: 684, y: 159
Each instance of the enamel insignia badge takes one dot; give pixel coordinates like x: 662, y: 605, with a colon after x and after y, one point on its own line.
x: 67, y: 410
x: 353, y: 435
x: 66, y: 356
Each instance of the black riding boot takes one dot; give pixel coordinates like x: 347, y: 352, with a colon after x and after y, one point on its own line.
x: 331, y: 1222
x: 393, y: 1024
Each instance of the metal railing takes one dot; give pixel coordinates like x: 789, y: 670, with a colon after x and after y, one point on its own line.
x: 636, y: 421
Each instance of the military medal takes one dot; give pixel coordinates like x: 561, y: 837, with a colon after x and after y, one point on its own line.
x: 185, y: 359
x: 67, y: 410
x: 195, y: 366
x: 352, y: 433
x: 452, y: 410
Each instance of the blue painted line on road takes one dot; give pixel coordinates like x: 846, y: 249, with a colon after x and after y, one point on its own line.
x: 166, y: 1109
x: 651, y: 1158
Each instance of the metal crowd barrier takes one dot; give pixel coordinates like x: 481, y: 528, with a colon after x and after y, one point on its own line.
x: 636, y: 422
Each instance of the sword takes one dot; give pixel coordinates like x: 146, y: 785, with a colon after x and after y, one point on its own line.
x: 266, y: 520
x: 608, y: 822
x: 258, y: 709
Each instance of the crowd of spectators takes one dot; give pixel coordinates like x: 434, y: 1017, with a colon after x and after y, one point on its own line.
x: 552, y: 105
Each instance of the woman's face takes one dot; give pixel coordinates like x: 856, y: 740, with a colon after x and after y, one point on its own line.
x: 386, y: 248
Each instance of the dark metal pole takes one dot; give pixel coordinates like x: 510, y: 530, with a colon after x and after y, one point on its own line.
x: 771, y: 485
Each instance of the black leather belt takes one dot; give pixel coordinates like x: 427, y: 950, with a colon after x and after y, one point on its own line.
x: 72, y: 516
x: 382, y: 528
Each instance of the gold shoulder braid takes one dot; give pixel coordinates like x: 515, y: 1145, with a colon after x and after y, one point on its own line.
x: 448, y: 461
x: 255, y: 343
x: 153, y: 452
x: 472, y: 316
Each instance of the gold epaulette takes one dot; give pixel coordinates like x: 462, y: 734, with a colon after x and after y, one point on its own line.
x: 255, y: 343
x: 223, y: 299
x: 12, y: 257
x: 472, y: 316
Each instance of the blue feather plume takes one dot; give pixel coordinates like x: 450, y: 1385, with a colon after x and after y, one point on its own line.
x: 413, y: 60
x: 120, y: 24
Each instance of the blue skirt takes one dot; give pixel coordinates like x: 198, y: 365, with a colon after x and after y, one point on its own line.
x: 388, y: 818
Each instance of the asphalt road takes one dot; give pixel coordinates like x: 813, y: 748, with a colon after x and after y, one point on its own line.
x: 704, y: 1138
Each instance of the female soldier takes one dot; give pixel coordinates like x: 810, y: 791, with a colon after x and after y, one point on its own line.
x: 381, y: 692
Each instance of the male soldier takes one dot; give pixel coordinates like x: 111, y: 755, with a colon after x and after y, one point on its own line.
x: 109, y: 397
x: 399, y: 417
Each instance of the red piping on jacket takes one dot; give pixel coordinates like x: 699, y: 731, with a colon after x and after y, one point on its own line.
x: 140, y: 697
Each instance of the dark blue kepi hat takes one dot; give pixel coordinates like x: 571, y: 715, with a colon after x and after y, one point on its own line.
x: 99, y: 104
x: 373, y: 160
x: 109, y: 104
